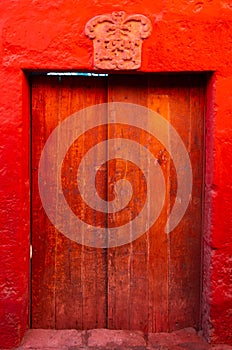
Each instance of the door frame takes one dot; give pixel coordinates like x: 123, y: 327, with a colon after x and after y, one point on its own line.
x: 208, y: 140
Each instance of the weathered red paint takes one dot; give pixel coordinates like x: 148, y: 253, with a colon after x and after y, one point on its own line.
x: 49, y: 35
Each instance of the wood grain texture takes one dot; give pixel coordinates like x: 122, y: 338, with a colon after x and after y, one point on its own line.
x: 68, y: 279
x: 138, y: 272
x: 153, y: 283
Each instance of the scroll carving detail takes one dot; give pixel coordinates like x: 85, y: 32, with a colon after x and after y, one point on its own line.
x: 117, y: 39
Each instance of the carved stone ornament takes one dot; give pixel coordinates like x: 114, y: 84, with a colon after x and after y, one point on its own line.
x: 117, y: 39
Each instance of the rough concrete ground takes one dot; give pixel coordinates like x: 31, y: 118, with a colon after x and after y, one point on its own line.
x: 186, y: 339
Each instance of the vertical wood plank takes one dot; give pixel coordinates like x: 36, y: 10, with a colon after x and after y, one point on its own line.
x: 43, y: 237
x: 185, y: 241
x: 158, y: 239
x: 138, y: 271
x: 125, y: 288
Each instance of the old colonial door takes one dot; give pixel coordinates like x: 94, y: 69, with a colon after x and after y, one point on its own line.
x: 152, y: 283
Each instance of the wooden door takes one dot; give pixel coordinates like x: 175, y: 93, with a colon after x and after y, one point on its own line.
x: 153, y: 283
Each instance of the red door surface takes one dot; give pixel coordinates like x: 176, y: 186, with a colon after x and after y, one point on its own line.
x: 151, y: 283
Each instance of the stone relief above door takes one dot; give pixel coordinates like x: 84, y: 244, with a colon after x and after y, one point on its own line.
x: 117, y: 39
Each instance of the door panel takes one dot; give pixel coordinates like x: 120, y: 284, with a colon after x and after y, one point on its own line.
x: 69, y: 281
x: 153, y: 283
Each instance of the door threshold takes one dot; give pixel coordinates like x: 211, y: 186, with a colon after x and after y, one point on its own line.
x: 72, y: 339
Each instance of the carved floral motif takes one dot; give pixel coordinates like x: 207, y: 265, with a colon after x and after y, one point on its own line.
x: 117, y: 39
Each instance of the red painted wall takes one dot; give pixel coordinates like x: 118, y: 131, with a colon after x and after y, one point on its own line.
x: 49, y: 35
